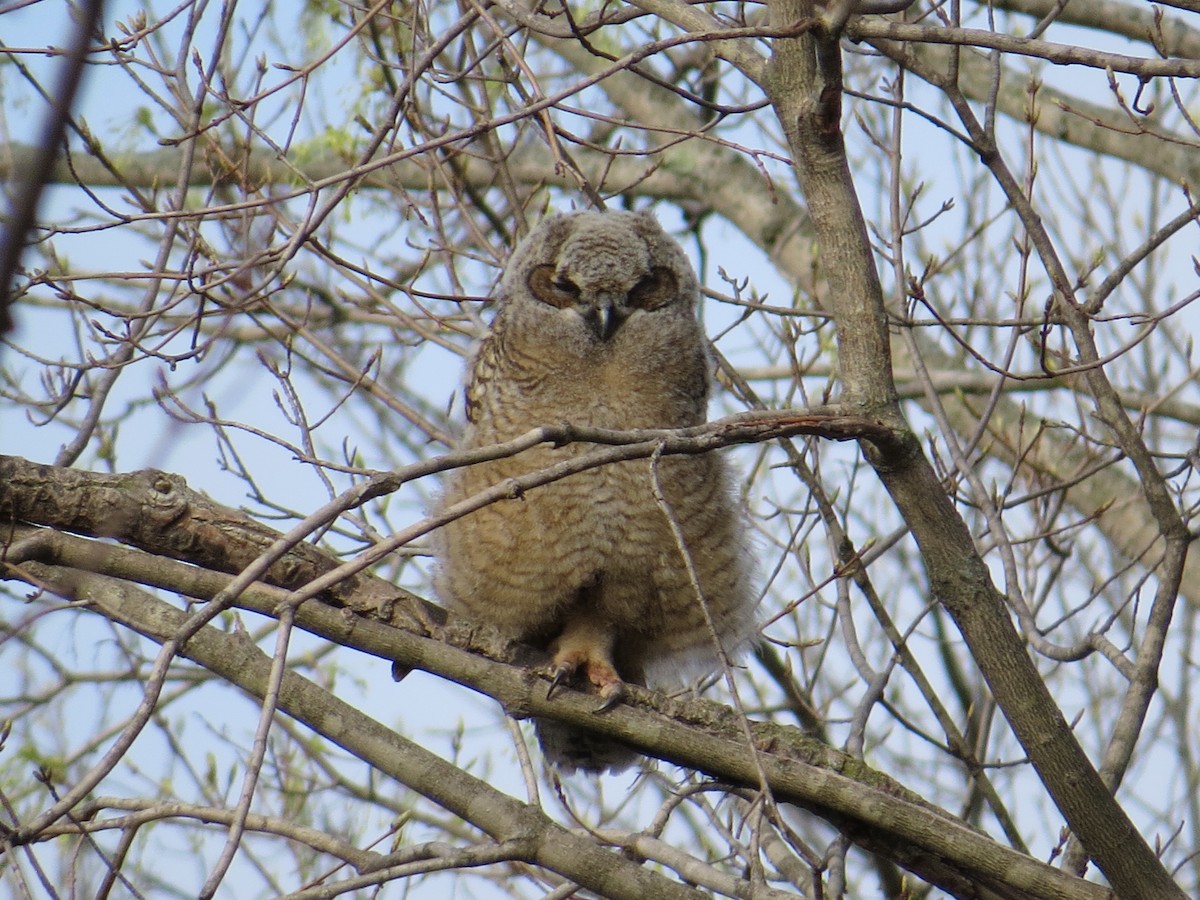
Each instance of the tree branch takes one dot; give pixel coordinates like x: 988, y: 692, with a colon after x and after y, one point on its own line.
x: 803, y: 78
x: 880, y: 814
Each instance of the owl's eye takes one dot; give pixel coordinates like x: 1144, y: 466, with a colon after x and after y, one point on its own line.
x: 655, y: 289
x: 557, y: 292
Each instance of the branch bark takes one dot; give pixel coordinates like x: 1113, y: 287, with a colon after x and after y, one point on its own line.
x: 236, y: 658
x: 880, y: 815
x: 804, y: 85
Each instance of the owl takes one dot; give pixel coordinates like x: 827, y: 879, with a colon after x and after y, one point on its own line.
x: 596, y: 326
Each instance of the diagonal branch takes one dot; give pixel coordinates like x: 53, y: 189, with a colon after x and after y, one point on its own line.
x: 804, y: 87
x: 235, y: 658
x: 878, y: 813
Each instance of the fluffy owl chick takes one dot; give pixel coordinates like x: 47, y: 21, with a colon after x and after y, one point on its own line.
x: 597, y: 326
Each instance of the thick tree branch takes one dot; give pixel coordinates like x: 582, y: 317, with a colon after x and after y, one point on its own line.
x: 880, y: 814
x: 237, y: 660
x: 804, y: 85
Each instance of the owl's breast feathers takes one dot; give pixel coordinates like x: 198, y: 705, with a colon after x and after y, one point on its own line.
x: 605, y: 386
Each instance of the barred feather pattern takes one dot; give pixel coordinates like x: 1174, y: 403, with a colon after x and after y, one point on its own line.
x: 596, y: 326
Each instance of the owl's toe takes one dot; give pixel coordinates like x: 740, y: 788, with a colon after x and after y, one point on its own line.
x: 559, y: 676
x: 592, y: 663
x: 612, y: 694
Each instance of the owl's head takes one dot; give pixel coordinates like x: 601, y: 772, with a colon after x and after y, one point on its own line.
x: 596, y: 272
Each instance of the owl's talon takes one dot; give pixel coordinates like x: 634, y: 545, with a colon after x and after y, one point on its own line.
x: 558, y: 677
x: 612, y: 694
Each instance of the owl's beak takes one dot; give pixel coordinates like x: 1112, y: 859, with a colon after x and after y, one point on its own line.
x: 605, y: 316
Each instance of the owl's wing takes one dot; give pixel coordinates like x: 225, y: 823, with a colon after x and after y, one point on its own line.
x: 484, y: 369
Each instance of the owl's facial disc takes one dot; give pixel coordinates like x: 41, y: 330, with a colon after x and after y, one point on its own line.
x: 604, y: 310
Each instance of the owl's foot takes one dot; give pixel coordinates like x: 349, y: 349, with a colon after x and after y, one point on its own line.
x: 574, y: 656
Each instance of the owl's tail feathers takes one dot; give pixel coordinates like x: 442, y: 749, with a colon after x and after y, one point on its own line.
x: 571, y: 750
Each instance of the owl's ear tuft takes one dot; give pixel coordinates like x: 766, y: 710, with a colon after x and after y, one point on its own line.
x: 554, y: 291
x: 656, y: 289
